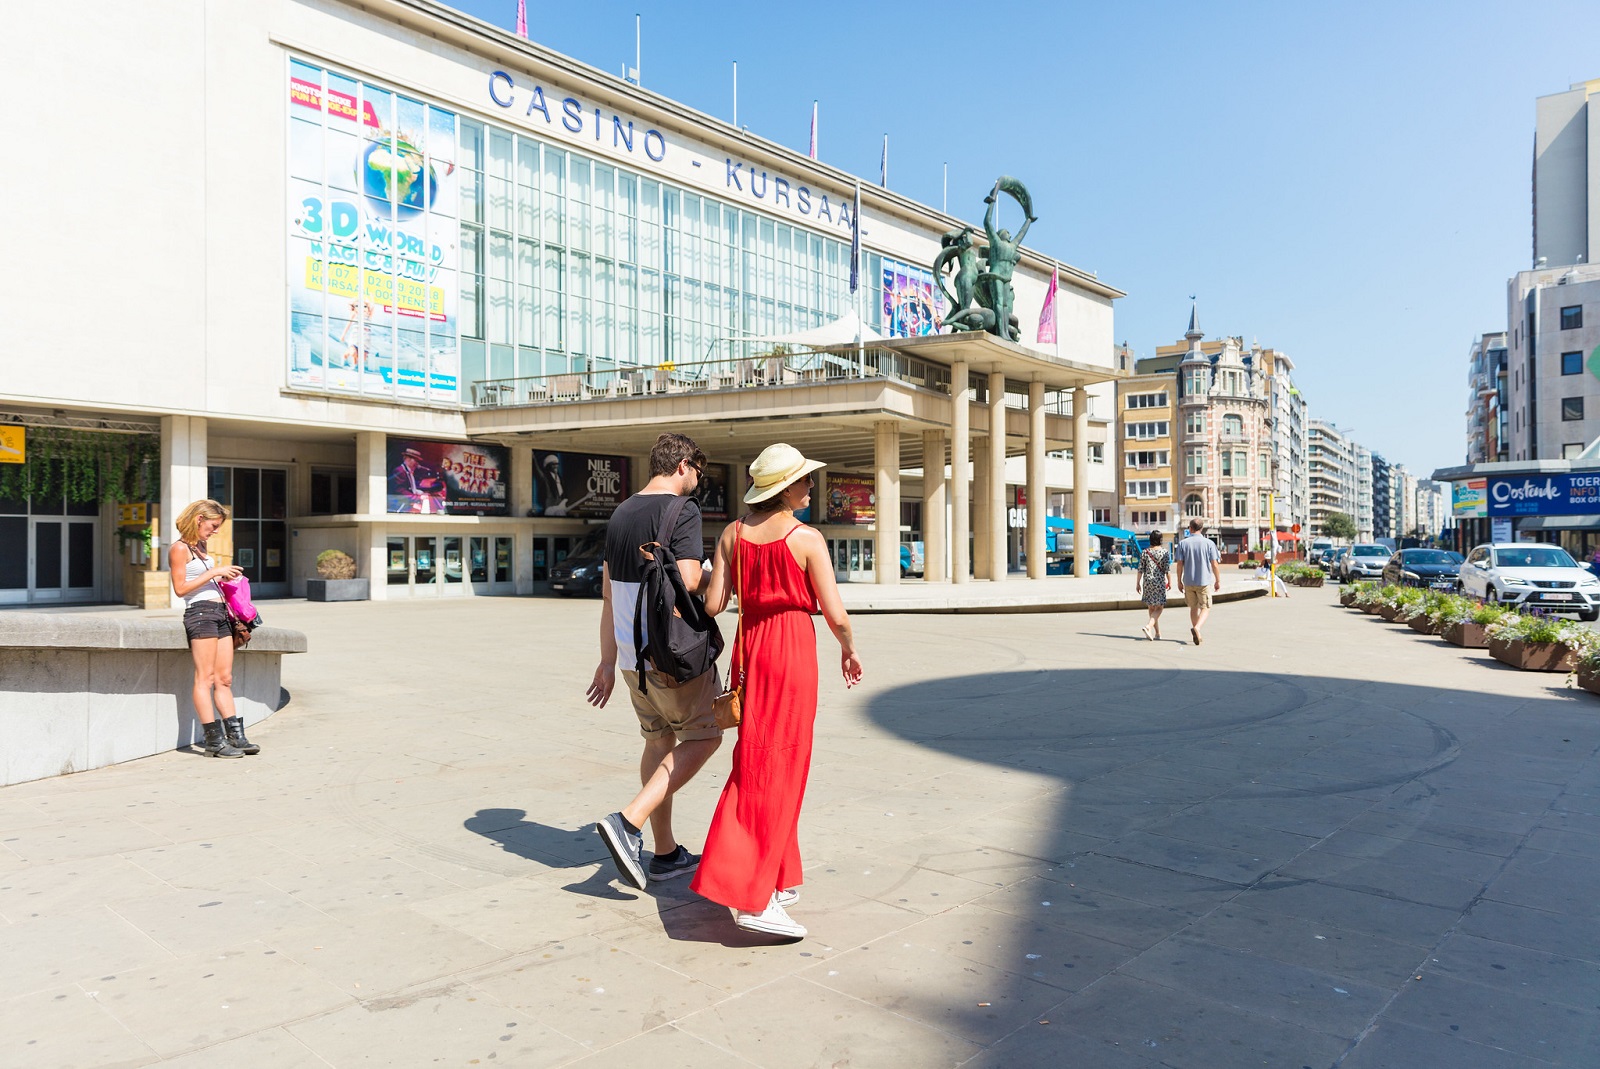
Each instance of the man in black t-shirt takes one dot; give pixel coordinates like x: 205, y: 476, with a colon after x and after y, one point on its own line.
x: 676, y: 719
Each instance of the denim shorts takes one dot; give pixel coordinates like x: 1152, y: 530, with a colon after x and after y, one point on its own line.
x: 207, y: 619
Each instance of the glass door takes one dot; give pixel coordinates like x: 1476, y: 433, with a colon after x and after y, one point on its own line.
x: 502, y: 561
x: 452, y: 567
x: 48, y: 551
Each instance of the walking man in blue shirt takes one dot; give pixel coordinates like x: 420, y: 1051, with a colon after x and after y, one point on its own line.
x: 1197, y: 561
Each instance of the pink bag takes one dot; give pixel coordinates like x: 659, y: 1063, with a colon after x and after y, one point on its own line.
x: 236, y: 593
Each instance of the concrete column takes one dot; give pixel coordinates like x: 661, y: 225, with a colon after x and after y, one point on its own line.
x: 999, y: 541
x: 372, y: 501
x: 1080, y: 483
x: 960, y: 474
x: 1036, y: 491
x: 183, y: 473
x: 934, y: 509
x: 886, y: 451
x: 520, y: 478
x: 981, y: 503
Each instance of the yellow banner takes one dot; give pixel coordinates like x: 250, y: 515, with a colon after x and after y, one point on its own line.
x: 404, y: 294
x: 133, y: 515
x: 13, y: 445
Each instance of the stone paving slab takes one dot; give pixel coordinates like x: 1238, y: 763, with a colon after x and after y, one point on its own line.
x: 1031, y: 840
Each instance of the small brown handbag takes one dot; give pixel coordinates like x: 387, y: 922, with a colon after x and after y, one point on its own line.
x: 726, y: 706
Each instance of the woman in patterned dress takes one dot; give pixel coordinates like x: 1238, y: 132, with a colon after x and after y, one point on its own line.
x: 1154, y: 580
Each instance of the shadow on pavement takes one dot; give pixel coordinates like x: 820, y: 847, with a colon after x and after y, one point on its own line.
x: 557, y: 848
x: 1224, y: 869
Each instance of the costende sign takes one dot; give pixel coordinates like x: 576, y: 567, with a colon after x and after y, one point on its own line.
x: 1545, y: 495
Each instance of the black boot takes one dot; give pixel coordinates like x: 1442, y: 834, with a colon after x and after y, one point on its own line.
x: 235, y: 729
x: 215, y: 743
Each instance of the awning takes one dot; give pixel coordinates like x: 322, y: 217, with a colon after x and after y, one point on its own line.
x: 848, y: 329
x: 1559, y: 523
x: 1101, y: 530
x: 1287, y: 536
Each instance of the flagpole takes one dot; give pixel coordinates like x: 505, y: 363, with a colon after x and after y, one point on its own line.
x: 735, y: 94
x: 884, y: 176
x: 1272, y: 544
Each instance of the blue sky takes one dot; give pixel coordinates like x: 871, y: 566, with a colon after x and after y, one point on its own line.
x: 1346, y: 182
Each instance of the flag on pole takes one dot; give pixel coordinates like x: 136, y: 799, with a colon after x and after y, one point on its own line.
x: 1047, y: 314
x: 883, y: 168
x: 855, y: 241
x: 522, y: 19
x: 813, y: 129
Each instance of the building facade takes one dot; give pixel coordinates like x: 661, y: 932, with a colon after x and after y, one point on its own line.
x: 1364, y: 501
x: 1146, y: 410
x: 1553, y: 320
x: 1382, y: 498
x: 1332, y: 460
x: 410, y: 232
x: 1488, y: 399
x: 1566, y: 177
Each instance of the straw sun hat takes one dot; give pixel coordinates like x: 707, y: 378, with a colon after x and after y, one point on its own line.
x: 777, y: 467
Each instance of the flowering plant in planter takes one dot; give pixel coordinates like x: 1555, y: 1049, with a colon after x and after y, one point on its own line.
x: 1363, y: 593
x: 1452, y: 609
x: 1540, y: 642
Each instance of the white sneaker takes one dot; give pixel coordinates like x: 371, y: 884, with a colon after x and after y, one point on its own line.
x: 770, y: 921
x: 787, y: 898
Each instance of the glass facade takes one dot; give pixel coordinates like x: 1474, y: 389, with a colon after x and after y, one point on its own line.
x: 572, y: 264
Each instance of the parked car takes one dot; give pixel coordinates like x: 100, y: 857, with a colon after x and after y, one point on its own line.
x: 911, y: 558
x: 1531, y: 574
x: 579, y: 571
x: 1365, y: 560
x: 1422, y: 567
x: 1319, y: 548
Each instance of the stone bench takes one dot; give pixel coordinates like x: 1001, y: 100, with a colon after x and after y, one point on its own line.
x: 84, y: 690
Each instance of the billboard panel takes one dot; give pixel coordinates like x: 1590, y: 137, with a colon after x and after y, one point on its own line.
x: 910, y: 309
x: 372, y: 241
x: 458, y: 478
x: 852, y: 499
x: 584, y: 485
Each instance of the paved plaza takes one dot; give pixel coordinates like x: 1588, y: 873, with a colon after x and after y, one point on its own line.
x: 1031, y: 840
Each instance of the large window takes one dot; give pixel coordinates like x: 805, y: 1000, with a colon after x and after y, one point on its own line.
x: 1194, y: 423
x: 1194, y: 462
x: 1150, y: 429
x: 1194, y: 507
x: 573, y: 265
x: 1148, y: 458
x: 1149, y: 487
x: 1233, y: 425
x: 1572, y: 363
x: 1571, y: 408
x: 1148, y: 400
x: 1572, y: 317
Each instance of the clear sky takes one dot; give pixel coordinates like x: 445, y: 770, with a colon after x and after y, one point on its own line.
x: 1349, y: 183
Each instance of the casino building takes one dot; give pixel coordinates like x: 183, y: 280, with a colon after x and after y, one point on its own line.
x: 388, y: 280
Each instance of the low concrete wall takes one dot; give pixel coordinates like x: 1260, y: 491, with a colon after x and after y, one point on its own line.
x: 79, y: 691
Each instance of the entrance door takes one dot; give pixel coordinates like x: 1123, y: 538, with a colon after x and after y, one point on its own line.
x: 547, y: 553
x: 414, y: 565
x: 50, y: 555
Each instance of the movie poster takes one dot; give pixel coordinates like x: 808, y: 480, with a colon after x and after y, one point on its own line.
x: 852, y: 499
x: 713, y: 491
x: 372, y: 240
x: 909, y: 307
x: 448, y: 478
x: 581, y: 485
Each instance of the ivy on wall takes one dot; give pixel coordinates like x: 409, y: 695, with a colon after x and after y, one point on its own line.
x: 85, y: 467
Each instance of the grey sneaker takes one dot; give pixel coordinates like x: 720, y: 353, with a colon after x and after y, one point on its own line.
x: 626, y: 848
x: 670, y: 866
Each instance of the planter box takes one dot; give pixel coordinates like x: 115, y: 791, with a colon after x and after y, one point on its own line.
x: 1533, y: 656
x: 1307, y: 580
x: 1422, y: 624
x: 1388, y: 612
x: 1589, y: 680
x: 336, y: 590
x: 1347, y: 598
x: 1468, y: 636
x: 1370, y: 609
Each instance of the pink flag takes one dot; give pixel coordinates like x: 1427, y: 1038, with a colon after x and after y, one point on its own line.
x: 813, y: 129
x: 522, y: 19
x: 1047, y: 314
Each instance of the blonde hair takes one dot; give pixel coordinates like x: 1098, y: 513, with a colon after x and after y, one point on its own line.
x: 189, y: 519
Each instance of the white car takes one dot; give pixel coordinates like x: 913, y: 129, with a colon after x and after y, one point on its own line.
x: 1366, y: 561
x: 1531, y: 574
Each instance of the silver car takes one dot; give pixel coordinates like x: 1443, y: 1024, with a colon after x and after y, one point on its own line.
x: 1531, y: 574
x: 1364, y: 561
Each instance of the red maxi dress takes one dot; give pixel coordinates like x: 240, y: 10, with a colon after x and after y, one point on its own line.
x: 753, y: 848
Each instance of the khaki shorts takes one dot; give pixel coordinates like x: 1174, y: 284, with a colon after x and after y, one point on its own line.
x: 683, y: 710
x: 1198, y: 597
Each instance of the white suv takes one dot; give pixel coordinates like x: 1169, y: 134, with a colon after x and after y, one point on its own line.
x: 1531, y: 574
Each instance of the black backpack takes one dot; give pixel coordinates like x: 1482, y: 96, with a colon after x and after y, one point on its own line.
x: 684, y: 641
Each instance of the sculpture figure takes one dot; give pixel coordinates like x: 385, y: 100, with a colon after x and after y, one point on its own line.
x: 958, y: 250
x: 985, y: 278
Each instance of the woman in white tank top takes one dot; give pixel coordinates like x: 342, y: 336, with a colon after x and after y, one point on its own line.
x: 210, y: 632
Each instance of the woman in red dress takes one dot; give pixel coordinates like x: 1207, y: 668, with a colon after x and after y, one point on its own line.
x: 781, y: 571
